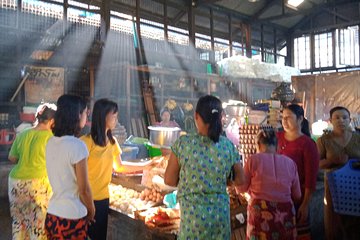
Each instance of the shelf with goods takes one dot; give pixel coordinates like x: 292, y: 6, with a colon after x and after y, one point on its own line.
x: 167, y: 84
x: 185, y: 87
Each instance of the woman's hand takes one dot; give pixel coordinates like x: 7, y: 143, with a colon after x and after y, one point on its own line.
x: 342, y: 159
x: 91, y: 215
x: 172, y: 171
x: 302, y: 213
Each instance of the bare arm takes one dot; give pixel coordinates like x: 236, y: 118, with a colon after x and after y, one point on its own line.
x: 295, y: 188
x: 239, y: 174
x: 303, y: 210
x: 13, y: 159
x: 246, y: 179
x: 84, y: 188
x: 172, y: 171
x: 327, y: 161
x: 119, y: 167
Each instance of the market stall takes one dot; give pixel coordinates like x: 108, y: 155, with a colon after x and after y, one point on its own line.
x: 137, y: 209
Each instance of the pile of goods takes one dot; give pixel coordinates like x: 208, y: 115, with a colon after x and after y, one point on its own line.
x: 157, y: 171
x: 238, y: 205
x: 151, y: 195
x: 163, y: 219
x: 127, y: 200
x: 248, y: 138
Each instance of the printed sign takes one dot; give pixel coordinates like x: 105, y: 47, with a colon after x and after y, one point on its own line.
x: 44, y: 84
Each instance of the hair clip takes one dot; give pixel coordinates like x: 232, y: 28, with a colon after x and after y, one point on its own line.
x: 214, y: 111
x: 41, y: 111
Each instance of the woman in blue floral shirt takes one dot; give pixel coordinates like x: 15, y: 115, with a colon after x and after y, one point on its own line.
x: 200, y: 165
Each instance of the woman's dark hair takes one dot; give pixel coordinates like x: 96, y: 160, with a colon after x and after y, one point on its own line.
x: 338, y: 108
x: 45, y: 112
x: 102, y: 108
x: 267, y: 137
x: 210, y: 110
x: 67, y: 119
x: 299, y: 112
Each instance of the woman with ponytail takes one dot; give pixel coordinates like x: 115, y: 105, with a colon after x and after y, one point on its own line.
x: 199, y: 166
x: 295, y: 142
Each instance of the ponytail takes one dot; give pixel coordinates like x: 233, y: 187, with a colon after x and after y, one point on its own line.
x: 215, y: 127
x: 305, y: 129
x: 210, y: 110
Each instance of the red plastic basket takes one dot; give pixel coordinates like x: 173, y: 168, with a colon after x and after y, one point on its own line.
x: 344, y: 185
x: 27, y: 117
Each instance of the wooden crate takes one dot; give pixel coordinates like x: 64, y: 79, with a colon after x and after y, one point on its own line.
x: 239, y: 233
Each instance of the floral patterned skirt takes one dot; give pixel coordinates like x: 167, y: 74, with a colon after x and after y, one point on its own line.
x: 28, y: 205
x: 270, y: 220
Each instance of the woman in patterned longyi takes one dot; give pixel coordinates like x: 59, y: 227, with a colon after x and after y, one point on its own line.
x: 273, y: 183
x: 29, y: 188
x: 71, y: 207
x: 200, y: 165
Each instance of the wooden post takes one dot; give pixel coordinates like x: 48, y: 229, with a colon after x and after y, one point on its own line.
x: 92, y: 86
x: 248, y: 40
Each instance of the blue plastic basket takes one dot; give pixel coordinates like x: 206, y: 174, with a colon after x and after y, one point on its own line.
x: 344, y: 185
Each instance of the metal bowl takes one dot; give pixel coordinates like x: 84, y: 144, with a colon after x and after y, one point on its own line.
x: 163, y: 136
x: 235, y: 110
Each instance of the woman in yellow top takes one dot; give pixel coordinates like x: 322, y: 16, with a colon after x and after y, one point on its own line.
x: 29, y: 188
x: 104, y: 153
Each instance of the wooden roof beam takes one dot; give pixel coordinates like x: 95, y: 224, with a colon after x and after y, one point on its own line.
x: 263, y: 9
x: 177, y: 17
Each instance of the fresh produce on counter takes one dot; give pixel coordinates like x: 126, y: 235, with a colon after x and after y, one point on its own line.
x: 151, y: 195
x: 127, y: 200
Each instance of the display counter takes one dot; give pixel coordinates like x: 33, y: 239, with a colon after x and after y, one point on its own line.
x: 121, y: 226
x: 125, y: 221
x: 122, y: 223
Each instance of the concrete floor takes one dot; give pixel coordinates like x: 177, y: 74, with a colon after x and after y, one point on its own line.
x: 316, y: 217
x: 316, y: 207
x: 5, y: 219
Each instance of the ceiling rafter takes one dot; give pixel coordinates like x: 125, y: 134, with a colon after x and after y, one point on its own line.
x: 293, y: 13
x: 263, y: 9
x: 177, y: 17
x: 204, y: 2
x: 309, y: 15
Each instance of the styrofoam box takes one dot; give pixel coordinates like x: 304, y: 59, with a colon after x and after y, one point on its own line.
x: 29, y: 109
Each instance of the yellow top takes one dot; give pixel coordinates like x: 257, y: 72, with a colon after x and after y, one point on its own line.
x: 100, y: 165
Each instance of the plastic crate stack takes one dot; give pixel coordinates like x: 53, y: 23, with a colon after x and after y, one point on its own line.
x: 248, y: 134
